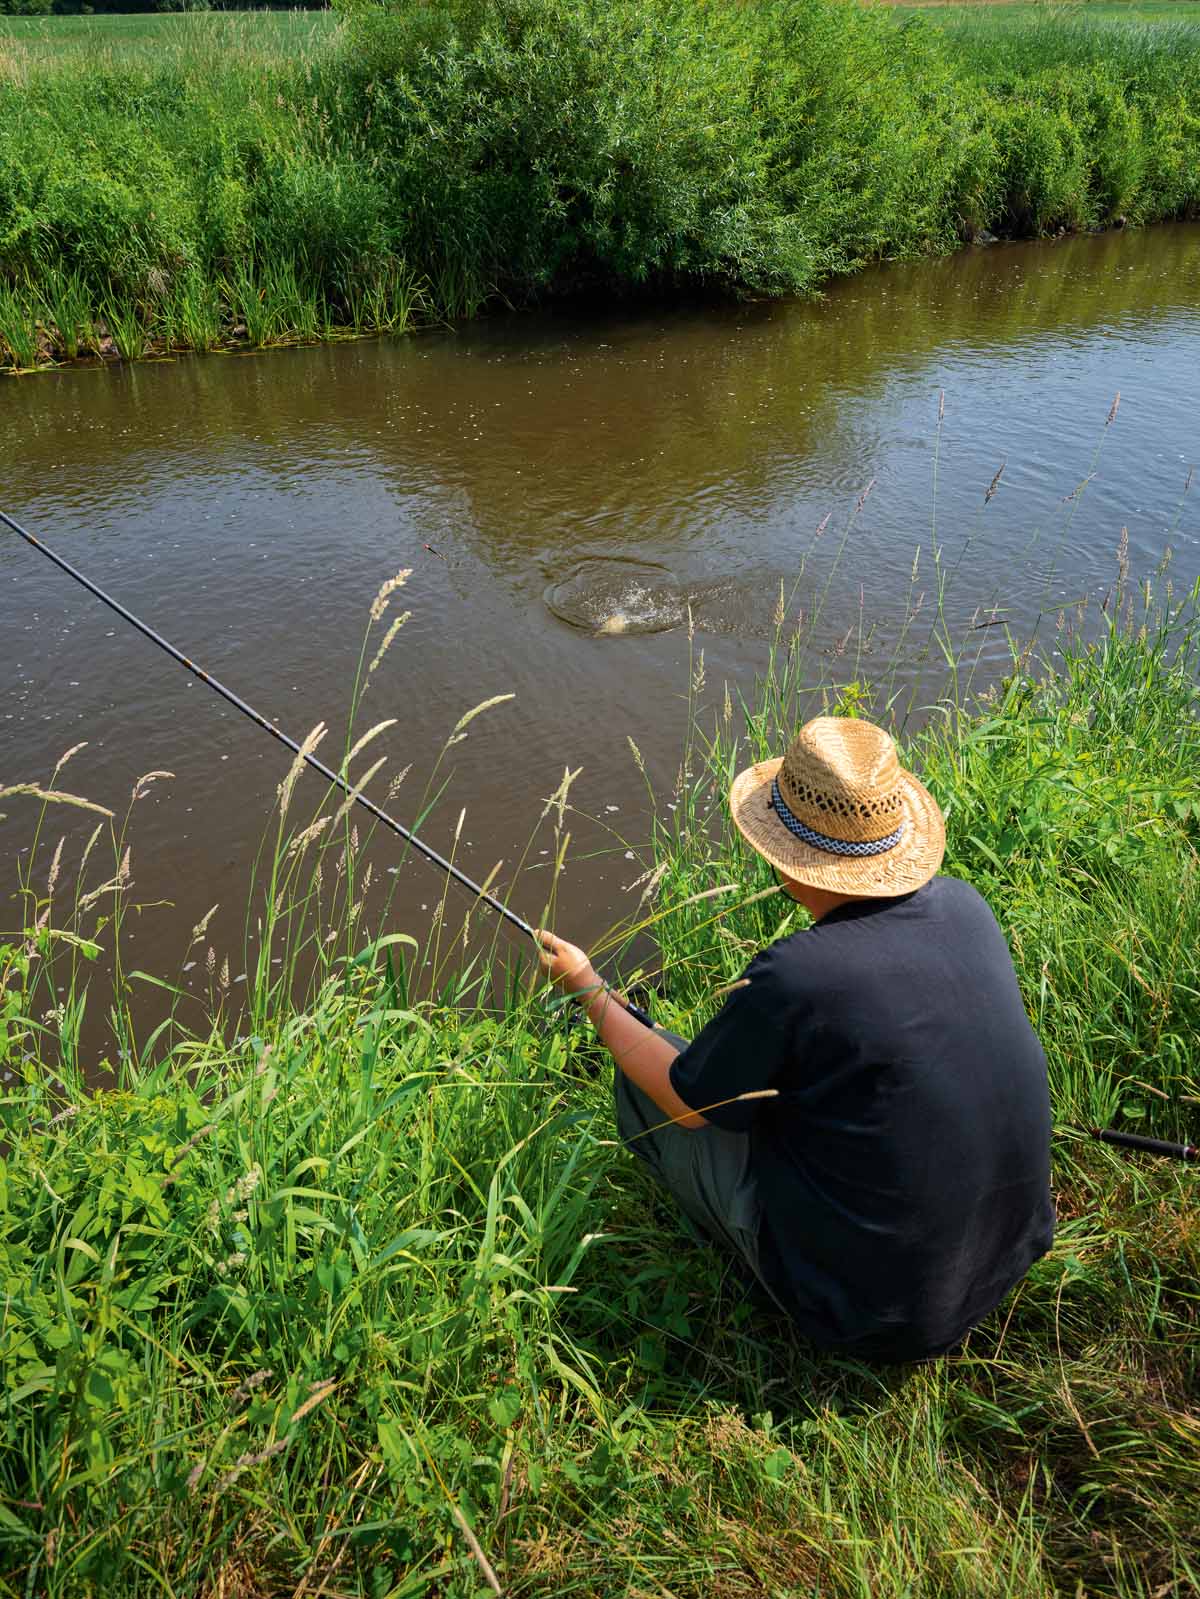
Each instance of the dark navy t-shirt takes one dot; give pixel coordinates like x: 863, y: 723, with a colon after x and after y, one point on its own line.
x: 904, y: 1168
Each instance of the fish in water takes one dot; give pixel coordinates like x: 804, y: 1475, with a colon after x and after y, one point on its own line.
x: 613, y: 597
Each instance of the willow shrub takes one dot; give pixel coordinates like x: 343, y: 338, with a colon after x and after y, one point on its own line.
x: 1097, y: 118
x: 554, y: 144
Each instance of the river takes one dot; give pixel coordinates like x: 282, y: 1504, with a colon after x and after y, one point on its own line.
x: 564, y: 487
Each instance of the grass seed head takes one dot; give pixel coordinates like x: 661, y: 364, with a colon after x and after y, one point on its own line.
x: 142, y: 787
x: 312, y: 739
x: 303, y: 839
x: 55, y: 863
x: 380, y: 603
x: 397, y: 624
x: 371, y: 733
x: 52, y: 796
x: 64, y: 758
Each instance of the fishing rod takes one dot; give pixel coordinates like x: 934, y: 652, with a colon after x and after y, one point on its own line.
x: 1150, y: 1146
x: 1108, y: 1135
x: 330, y: 776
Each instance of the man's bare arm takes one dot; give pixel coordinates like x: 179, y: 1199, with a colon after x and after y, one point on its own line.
x: 643, y: 1054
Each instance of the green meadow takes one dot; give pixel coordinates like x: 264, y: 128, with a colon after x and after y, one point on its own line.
x: 142, y: 38
x: 1003, y: 12
x: 347, y: 1288
x: 278, y: 33
x: 247, y: 179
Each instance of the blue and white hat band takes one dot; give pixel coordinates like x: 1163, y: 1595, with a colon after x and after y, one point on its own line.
x: 833, y: 846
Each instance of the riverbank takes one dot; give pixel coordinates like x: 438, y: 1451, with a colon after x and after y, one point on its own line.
x: 422, y: 164
x: 360, y: 1297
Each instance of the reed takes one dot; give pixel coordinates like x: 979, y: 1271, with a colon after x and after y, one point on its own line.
x: 127, y: 327
x: 187, y: 316
x: 19, y: 349
x: 67, y: 310
x: 392, y: 299
x: 254, y: 309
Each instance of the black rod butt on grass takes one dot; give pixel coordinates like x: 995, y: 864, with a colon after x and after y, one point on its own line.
x: 1149, y: 1146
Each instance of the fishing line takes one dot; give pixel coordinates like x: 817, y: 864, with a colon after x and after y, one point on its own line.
x: 330, y: 776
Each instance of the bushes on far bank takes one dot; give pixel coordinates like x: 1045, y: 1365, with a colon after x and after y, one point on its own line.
x: 446, y: 155
x: 554, y: 145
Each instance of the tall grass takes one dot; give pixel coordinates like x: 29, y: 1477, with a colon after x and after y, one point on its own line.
x: 426, y: 161
x: 348, y: 1289
x: 200, y: 41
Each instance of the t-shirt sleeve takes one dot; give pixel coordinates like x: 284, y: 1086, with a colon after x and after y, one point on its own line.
x: 740, y: 1051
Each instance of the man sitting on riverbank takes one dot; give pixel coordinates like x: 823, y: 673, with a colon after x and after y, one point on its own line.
x: 866, y: 1122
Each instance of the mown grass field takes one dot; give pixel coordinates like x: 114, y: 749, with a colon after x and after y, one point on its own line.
x: 948, y: 11
x: 221, y: 179
x: 142, y: 38
x: 274, y: 33
x: 349, y: 1290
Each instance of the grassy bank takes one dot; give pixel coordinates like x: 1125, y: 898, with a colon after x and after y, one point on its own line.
x: 1023, y: 10
x: 356, y: 1295
x: 427, y: 161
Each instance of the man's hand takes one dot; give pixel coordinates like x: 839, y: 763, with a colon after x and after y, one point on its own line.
x: 643, y: 1054
x: 567, y: 965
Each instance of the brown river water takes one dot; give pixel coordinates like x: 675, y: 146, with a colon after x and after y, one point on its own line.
x: 564, y: 487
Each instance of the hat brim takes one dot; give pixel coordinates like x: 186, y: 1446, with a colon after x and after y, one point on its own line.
x: 901, y: 870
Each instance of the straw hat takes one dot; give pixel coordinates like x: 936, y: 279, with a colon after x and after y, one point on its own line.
x: 839, y: 812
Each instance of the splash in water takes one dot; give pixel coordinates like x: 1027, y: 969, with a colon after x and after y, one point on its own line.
x: 611, y: 597
x: 608, y: 596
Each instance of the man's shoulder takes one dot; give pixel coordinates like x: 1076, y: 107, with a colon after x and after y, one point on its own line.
x: 797, y: 962
x: 955, y: 897
x: 944, y: 897
x: 944, y: 906
x: 779, y: 974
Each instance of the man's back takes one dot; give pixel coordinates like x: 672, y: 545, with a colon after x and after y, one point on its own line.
x: 903, y: 1168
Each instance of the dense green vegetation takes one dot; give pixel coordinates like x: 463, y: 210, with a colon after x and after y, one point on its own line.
x: 429, y: 160
x: 353, y: 1293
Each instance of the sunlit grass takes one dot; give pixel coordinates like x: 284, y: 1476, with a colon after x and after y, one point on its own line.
x: 1018, y: 12
x: 203, y: 41
x: 341, y: 1284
